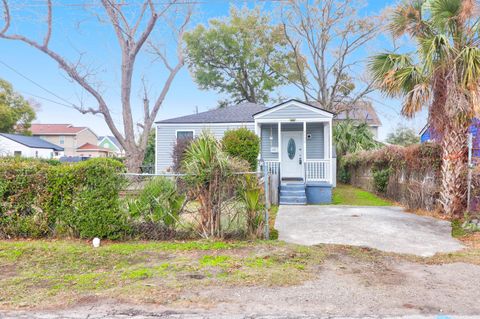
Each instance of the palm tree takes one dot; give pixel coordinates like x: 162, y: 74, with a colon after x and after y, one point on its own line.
x: 443, y: 75
x: 351, y: 137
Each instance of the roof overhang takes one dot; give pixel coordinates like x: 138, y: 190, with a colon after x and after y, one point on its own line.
x: 319, y: 111
x: 205, y: 123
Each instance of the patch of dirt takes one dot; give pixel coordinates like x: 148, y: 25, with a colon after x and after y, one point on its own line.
x: 370, y: 273
x: 350, y: 282
x: 472, y: 240
x: 7, y: 271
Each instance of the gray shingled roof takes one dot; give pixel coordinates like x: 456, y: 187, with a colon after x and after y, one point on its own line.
x: 363, y: 111
x: 31, y: 141
x: 240, y: 113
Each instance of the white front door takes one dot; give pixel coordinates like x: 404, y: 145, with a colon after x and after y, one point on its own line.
x: 292, y: 155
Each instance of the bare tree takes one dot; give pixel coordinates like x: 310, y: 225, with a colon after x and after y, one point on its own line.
x: 132, y: 33
x: 326, y: 37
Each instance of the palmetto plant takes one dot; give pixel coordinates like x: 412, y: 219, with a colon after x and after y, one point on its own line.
x: 206, y: 167
x: 351, y: 137
x: 212, y: 177
x: 250, y: 194
x: 443, y: 75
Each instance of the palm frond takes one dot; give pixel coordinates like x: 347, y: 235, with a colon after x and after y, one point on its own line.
x: 385, y: 67
x: 469, y: 59
x: 445, y: 14
x: 435, y: 51
x: 407, y: 18
x: 416, y: 99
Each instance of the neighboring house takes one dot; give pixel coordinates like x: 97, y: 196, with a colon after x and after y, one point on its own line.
x: 66, y: 136
x: 111, y: 143
x: 28, y: 146
x: 427, y: 135
x: 296, y: 143
x: 93, y: 150
x: 363, y: 111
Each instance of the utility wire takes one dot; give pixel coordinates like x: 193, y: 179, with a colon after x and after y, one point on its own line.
x: 93, y: 4
x: 66, y: 104
x: 37, y: 84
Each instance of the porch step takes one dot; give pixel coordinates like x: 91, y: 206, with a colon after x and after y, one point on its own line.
x: 293, y: 194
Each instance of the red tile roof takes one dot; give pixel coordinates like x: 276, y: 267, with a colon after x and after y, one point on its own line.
x: 92, y: 147
x: 55, y: 129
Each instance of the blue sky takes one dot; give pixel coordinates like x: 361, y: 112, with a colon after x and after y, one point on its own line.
x: 77, y: 32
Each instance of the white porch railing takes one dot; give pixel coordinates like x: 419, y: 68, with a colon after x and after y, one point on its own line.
x: 273, y: 167
x: 317, y: 170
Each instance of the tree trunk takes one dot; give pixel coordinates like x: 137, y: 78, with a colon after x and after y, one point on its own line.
x: 454, y: 183
x: 134, y: 159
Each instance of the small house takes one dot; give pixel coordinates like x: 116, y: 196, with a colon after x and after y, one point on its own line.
x: 296, y: 144
x: 28, y: 146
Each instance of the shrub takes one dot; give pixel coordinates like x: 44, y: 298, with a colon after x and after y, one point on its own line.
x: 81, y: 200
x: 178, y: 152
x: 242, y: 143
x: 210, y: 179
x: 158, y: 203
x: 380, y: 179
x: 250, y: 194
x: 22, y: 192
x: 85, y: 200
x: 343, y: 174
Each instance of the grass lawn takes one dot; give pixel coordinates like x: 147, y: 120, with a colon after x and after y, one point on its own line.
x: 348, y: 195
x: 40, y: 273
x: 48, y: 273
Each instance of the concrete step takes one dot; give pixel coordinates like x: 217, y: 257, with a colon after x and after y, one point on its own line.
x: 292, y: 187
x: 297, y: 202
x: 292, y: 193
x: 293, y: 200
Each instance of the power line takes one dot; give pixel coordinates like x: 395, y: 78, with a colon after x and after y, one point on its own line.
x: 37, y: 84
x: 66, y: 104
x: 93, y: 4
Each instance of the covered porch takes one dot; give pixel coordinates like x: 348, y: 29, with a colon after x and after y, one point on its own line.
x: 297, y: 152
x: 296, y: 146
x: 296, y: 142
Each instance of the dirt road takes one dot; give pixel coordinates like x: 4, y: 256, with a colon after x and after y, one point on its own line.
x: 345, y: 287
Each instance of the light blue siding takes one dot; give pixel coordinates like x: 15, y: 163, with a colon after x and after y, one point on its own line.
x: 315, y: 145
x: 292, y: 127
x: 292, y: 112
x: 267, y: 131
x: 166, y: 138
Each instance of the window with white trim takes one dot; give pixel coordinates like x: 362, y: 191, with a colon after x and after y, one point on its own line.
x: 184, y: 135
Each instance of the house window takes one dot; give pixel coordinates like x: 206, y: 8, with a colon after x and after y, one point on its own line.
x: 184, y: 135
x: 17, y: 153
x: 36, y: 154
x: 62, y: 140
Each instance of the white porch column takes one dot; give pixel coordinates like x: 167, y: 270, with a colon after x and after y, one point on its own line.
x: 331, y: 151
x: 279, y: 141
x: 304, y: 150
x: 258, y: 132
x: 326, y: 140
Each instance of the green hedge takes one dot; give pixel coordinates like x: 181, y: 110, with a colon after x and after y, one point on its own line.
x: 242, y: 143
x: 414, y: 158
x: 39, y: 199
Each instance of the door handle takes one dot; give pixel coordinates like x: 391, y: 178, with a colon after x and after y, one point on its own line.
x: 299, y: 160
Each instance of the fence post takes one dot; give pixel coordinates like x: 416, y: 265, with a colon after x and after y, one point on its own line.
x: 265, y: 180
x: 469, y: 175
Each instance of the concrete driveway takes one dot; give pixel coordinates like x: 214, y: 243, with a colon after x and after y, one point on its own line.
x: 385, y: 228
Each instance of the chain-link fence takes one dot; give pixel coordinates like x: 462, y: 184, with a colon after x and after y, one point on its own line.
x: 167, y: 205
